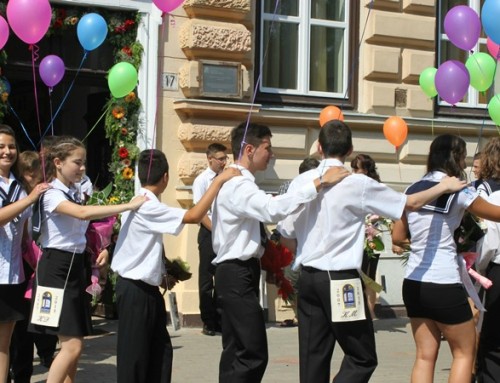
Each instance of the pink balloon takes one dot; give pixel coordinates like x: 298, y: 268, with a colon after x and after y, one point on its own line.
x: 168, y: 5
x: 462, y: 26
x: 493, y: 48
x: 452, y: 81
x: 51, y: 70
x: 29, y: 19
x: 4, y: 32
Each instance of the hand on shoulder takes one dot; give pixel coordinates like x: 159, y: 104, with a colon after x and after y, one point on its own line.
x: 137, y: 202
x: 334, y: 175
x: 228, y: 173
x: 452, y: 184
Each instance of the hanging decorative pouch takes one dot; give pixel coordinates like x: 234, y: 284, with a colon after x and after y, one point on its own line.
x: 47, y: 306
x: 347, y: 300
x: 48, y: 302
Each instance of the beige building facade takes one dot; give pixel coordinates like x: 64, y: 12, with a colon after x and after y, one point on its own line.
x: 390, y: 43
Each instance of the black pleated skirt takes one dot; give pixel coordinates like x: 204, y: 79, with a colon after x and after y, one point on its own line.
x: 53, y: 269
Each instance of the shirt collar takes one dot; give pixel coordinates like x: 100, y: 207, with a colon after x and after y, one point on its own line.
x: 330, y: 162
x: 72, y: 191
x: 10, y: 179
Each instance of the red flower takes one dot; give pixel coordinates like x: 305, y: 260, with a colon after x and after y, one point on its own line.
x: 127, y: 51
x: 275, y: 258
x: 123, y: 152
x: 58, y: 23
x: 124, y: 131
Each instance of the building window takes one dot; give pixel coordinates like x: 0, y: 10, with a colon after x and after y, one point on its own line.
x: 305, y: 48
x: 474, y: 101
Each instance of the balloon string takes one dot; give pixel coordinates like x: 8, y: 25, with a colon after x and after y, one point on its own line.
x: 259, y: 79
x: 85, y: 53
x: 34, y: 56
x: 50, y: 106
x: 158, y: 92
x: 22, y: 125
x: 95, y: 125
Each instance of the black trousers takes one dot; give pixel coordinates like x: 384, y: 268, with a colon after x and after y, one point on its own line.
x: 244, y: 340
x: 206, y: 274
x: 318, y: 334
x: 489, y: 342
x: 144, y: 350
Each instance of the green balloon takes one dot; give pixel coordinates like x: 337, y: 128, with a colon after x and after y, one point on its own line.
x: 494, y: 109
x: 426, y: 81
x: 481, y: 67
x: 122, y: 79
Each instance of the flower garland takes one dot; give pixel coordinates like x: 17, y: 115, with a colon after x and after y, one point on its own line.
x: 122, y: 115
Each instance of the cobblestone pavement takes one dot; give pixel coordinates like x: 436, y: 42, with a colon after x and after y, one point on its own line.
x: 196, y: 356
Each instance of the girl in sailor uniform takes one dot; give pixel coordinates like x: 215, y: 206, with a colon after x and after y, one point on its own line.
x: 62, y: 222
x: 433, y: 289
x: 14, y: 212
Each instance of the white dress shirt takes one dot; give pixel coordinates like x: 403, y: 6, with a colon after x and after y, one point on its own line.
x: 60, y: 231
x: 489, y: 245
x: 238, y: 209
x: 201, y: 184
x: 330, y: 230
x: 11, y: 235
x: 139, y: 249
x: 433, y: 256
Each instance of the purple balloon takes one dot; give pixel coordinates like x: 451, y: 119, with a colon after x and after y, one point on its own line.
x: 51, y: 70
x: 462, y: 26
x: 452, y: 81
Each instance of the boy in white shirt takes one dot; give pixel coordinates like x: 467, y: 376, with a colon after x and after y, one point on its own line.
x: 328, y: 238
x: 144, y: 349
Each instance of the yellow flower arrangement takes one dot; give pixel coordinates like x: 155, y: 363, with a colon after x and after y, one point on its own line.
x: 127, y: 173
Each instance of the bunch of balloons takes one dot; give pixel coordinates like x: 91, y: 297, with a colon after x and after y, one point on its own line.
x: 452, y: 79
x: 30, y: 21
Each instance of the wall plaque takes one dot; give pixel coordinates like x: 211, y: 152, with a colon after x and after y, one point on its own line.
x: 220, y: 79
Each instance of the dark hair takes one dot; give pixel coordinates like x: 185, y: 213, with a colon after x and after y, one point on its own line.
x: 490, y: 160
x: 214, y: 148
x: 477, y: 156
x: 254, y: 135
x: 152, y: 165
x: 335, y: 138
x: 307, y: 164
x: 445, y: 154
x: 61, y: 149
x: 365, y: 163
x: 6, y: 129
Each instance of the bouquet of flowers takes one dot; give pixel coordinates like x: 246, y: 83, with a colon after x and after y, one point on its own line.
x: 178, y: 269
x: 275, y: 258
x: 374, y: 227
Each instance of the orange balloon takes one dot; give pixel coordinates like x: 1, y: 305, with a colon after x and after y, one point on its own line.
x: 395, y: 130
x: 330, y: 113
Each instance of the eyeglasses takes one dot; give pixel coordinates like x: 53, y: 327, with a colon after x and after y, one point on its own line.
x: 221, y: 159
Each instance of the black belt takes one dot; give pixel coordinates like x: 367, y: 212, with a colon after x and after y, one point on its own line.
x: 334, y: 274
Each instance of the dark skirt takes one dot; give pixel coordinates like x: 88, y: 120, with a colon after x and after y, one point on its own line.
x: 445, y: 303
x: 52, y: 271
x: 12, y: 302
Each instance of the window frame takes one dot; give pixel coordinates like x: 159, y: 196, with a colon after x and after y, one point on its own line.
x: 472, y: 108
x: 314, y: 98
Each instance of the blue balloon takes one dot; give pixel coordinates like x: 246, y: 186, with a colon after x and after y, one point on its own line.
x: 490, y: 14
x: 91, y: 31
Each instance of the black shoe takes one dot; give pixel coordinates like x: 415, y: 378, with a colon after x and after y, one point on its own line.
x: 208, y: 331
x: 46, y: 361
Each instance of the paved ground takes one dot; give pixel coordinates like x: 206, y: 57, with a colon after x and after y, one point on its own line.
x: 196, y: 356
